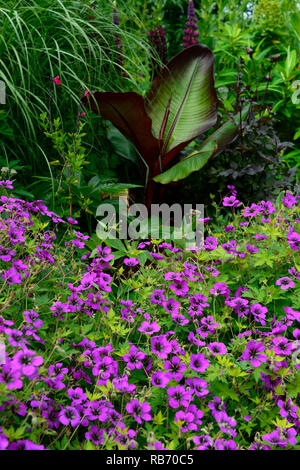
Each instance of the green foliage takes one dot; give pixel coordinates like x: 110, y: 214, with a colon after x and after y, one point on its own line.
x: 72, y: 40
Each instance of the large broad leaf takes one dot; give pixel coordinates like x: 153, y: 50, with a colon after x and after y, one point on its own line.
x: 121, y: 144
x: 211, y: 147
x: 127, y: 112
x: 182, y: 101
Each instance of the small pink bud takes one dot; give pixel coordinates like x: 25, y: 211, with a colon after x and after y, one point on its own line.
x: 57, y: 80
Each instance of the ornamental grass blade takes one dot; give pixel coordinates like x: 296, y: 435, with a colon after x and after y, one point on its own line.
x: 210, y: 148
x: 127, y: 112
x: 187, y: 85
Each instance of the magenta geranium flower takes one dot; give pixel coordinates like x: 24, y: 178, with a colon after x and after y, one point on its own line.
x: 220, y: 288
x: 158, y: 297
x: 6, y: 254
x: 12, y: 276
x: 217, y: 348
x: 33, y: 317
x: 160, y: 379
x: 131, y: 261
x: 97, y: 410
x: 134, y: 358
x: 10, y: 376
x: 292, y: 314
x: 178, y: 396
x: 198, y: 386
x: 180, y: 287
x: 259, y: 312
x: 140, y: 411
x: 160, y: 346
x: 171, y: 305
x: 187, y: 421
x: 155, y: 446
x: 288, y: 409
x: 293, y: 271
x: 59, y: 308
x: 289, y: 200
x: 229, y: 228
x: 77, y: 395
x: 174, y: 368
x: 274, y: 438
x: 156, y: 256
x: 282, y: 346
x: 199, y: 362
x: 95, y: 435
x: 210, y: 243
x: 231, y: 201
x: 226, y: 423
x: 69, y: 415
x: 251, y: 211
x: 104, y: 368
x: 251, y: 249
x: 104, y: 254
x: 291, y: 435
x: 25, y: 444
x: 285, y: 283
x: 149, y: 328
x: 27, y: 362
x: 3, y: 441
x: 254, y: 353
x: 223, y: 444
x: 293, y: 239
x: 6, y: 184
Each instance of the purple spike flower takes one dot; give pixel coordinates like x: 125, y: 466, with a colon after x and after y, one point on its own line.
x: 158, y: 43
x: 191, y: 33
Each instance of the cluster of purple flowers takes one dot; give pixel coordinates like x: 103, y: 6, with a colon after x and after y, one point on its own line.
x: 98, y: 359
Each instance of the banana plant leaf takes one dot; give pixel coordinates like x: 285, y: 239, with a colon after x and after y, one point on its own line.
x: 210, y: 148
x: 121, y: 145
x: 127, y: 112
x: 182, y: 101
x: 181, y: 105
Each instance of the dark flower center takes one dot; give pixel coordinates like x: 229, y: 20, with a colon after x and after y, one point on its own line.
x: 26, y: 360
x: 137, y: 410
x: 69, y: 414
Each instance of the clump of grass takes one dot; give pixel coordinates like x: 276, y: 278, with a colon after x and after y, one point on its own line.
x: 48, y: 38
